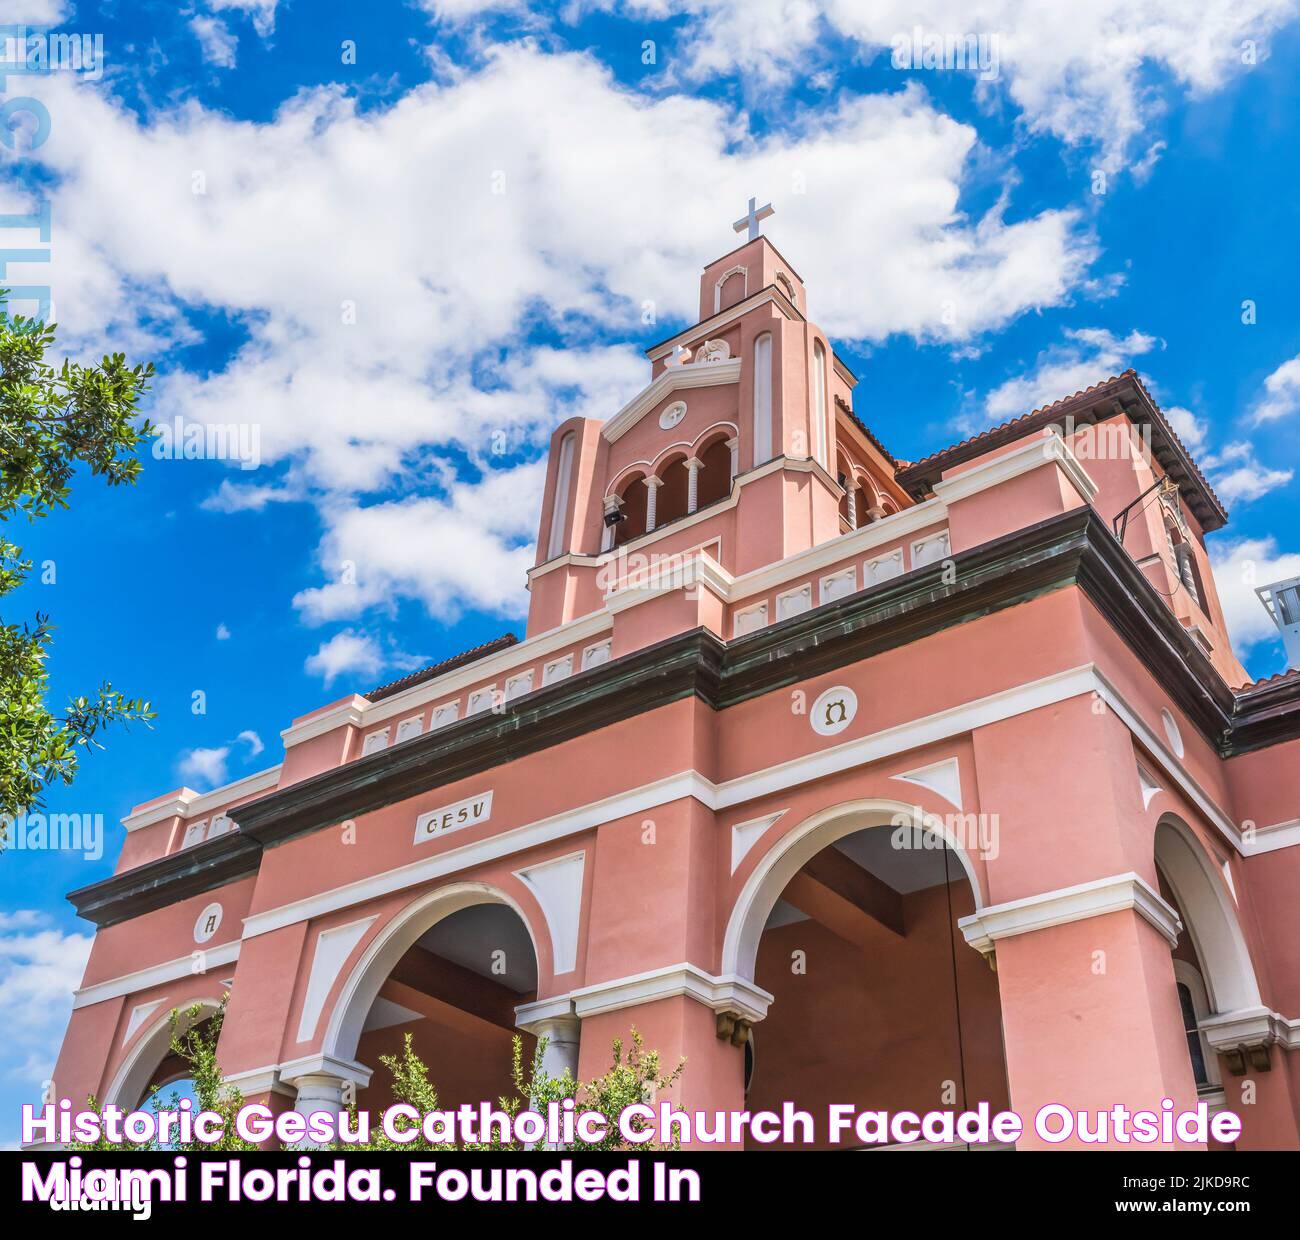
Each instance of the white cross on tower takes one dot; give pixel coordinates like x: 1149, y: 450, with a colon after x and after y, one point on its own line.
x: 751, y: 218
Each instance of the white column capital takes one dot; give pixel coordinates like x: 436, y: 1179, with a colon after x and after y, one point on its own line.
x: 555, y: 1022
x: 344, y: 1071
x: 729, y: 993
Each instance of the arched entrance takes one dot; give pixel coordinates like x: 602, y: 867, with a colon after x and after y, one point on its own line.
x: 1209, y: 918
x: 1212, y: 965
x: 151, y: 1062
x: 851, y: 925
x: 449, y: 970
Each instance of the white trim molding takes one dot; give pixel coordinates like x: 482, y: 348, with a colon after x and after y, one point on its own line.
x: 728, y: 993
x: 955, y: 721
x: 1259, y: 1026
x: 1068, y: 904
x: 360, y: 713
x: 260, y: 1081
x: 673, y: 379
x: 190, y: 804
x: 1050, y: 449
x: 1256, y: 840
x: 156, y: 974
x: 711, y: 326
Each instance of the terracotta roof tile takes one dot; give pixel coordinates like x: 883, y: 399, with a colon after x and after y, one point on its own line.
x: 1005, y: 432
x: 472, y: 655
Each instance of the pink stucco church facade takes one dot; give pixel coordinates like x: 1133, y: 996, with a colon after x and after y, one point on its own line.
x: 908, y: 785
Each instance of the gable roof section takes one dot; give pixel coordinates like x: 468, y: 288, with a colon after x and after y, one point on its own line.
x: 1124, y: 393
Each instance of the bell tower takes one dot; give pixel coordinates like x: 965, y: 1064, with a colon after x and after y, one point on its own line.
x: 742, y: 446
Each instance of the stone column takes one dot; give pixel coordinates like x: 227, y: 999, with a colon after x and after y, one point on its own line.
x: 652, y: 486
x: 563, y: 1036
x: 323, y: 1083
x: 693, y: 467
x: 555, y: 1021
x: 853, y: 504
x: 612, y: 504
x: 733, y: 446
x: 876, y: 513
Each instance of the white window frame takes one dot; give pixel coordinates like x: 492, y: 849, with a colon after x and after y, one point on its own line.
x: 783, y: 609
x: 738, y: 269
x: 596, y: 649
x: 404, y: 729
x: 827, y: 589
x: 560, y: 501
x: 374, y: 742
x: 758, y: 610
x: 819, y: 389
x: 517, y: 686
x: 870, y: 577
x: 557, y: 669
x: 762, y: 438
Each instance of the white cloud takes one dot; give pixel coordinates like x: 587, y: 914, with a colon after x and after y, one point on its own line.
x: 1239, y: 477
x: 204, y: 766
x: 223, y: 633
x: 260, y: 12
x: 40, y: 967
x: 1090, y: 83
x: 1188, y: 427
x: 220, y: 45
x: 253, y: 741
x: 41, y: 12
x: 1281, y: 395
x: 1238, y: 568
x: 470, y: 550
x: 1086, y: 356
x: 388, y: 292
x: 346, y: 652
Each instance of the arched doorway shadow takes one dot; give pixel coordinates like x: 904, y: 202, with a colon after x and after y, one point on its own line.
x: 850, y: 922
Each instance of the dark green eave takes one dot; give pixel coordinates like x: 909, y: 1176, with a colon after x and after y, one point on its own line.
x: 1075, y: 548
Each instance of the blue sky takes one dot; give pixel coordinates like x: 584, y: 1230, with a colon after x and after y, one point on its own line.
x: 400, y: 244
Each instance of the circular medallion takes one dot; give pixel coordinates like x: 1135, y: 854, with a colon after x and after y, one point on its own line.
x: 672, y: 414
x: 833, y: 710
x: 208, y: 924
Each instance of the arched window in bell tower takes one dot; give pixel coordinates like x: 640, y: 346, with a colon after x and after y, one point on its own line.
x: 560, y: 506
x: 819, y: 404
x: 763, y: 399
x: 633, y: 495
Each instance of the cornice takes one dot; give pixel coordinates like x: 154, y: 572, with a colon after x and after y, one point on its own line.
x: 170, y: 878
x: 190, y: 805
x: 1075, y: 548
x: 769, y: 292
